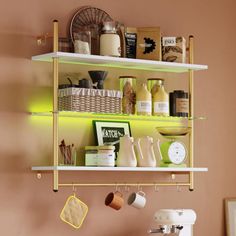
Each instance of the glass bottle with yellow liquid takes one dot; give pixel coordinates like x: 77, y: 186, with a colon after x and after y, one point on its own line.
x: 160, y: 99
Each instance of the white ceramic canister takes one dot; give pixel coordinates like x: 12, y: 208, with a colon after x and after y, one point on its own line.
x: 106, y: 156
x: 110, y: 40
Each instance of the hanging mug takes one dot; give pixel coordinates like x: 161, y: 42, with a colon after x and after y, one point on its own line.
x: 114, y: 200
x: 137, y: 200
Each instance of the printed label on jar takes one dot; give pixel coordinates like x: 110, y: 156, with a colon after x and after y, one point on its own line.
x: 169, y: 41
x: 161, y: 107
x: 182, y: 105
x: 144, y: 106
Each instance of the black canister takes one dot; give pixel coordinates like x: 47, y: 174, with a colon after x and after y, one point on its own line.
x: 179, y: 103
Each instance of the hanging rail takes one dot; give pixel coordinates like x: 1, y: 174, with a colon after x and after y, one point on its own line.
x: 123, y: 184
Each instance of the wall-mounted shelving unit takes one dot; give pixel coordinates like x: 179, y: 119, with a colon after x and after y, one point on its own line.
x: 136, y: 64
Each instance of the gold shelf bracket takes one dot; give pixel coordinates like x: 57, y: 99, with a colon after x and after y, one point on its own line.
x: 191, y: 112
x: 55, y: 106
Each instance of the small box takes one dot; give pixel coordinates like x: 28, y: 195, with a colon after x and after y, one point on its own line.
x: 130, y: 42
x: 149, y: 43
x: 174, y: 49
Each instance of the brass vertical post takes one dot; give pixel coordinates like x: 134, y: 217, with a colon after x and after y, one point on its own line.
x: 55, y: 106
x: 191, y: 113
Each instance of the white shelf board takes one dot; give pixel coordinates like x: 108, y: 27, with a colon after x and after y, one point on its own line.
x: 118, y: 62
x: 135, y: 169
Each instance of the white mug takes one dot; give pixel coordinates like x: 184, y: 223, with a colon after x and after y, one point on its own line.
x: 137, y: 200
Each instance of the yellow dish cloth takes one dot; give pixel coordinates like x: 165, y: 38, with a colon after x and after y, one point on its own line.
x: 74, y: 212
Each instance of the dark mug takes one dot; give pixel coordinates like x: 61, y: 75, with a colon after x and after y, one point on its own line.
x: 84, y: 83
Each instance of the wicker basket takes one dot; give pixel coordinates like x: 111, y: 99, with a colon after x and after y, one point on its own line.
x: 90, y: 100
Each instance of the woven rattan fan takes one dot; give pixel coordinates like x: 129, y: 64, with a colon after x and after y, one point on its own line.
x: 89, y: 18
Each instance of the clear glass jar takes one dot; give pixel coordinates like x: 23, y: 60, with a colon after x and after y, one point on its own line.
x: 82, y: 42
x: 128, y: 87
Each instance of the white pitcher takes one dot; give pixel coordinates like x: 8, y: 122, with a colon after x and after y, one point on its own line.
x: 146, y: 156
x: 126, y: 156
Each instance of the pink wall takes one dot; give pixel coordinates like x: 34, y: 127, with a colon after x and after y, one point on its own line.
x: 29, y: 206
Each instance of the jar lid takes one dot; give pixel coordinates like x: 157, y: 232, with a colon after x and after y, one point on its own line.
x: 155, y: 79
x: 127, y: 77
x: 107, y: 147
x: 179, y: 91
x: 87, y: 148
x: 109, y: 27
x: 158, y: 81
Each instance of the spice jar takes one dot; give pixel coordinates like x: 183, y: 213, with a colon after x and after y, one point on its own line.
x: 143, y: 101
x: 110, y: 40
x: 128, y: 87
x: 160, y: 99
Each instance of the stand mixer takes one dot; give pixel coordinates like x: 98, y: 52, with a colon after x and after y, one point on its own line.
x: 174, y: 222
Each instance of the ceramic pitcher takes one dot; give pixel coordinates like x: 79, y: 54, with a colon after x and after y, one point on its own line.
x: 146, y: 156
x: 126, y: 155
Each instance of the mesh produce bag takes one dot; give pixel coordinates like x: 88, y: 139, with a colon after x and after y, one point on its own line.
x: 74, y: 212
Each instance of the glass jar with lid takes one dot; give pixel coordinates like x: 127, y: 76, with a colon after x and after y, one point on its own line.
x: 153, y: 85
x: 128, y: 87
x: 110, y: 40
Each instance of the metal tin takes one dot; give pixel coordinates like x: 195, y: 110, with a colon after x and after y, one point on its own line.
x: 179, y: 103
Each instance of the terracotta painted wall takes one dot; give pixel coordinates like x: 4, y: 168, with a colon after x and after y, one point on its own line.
x: 29, y: 206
